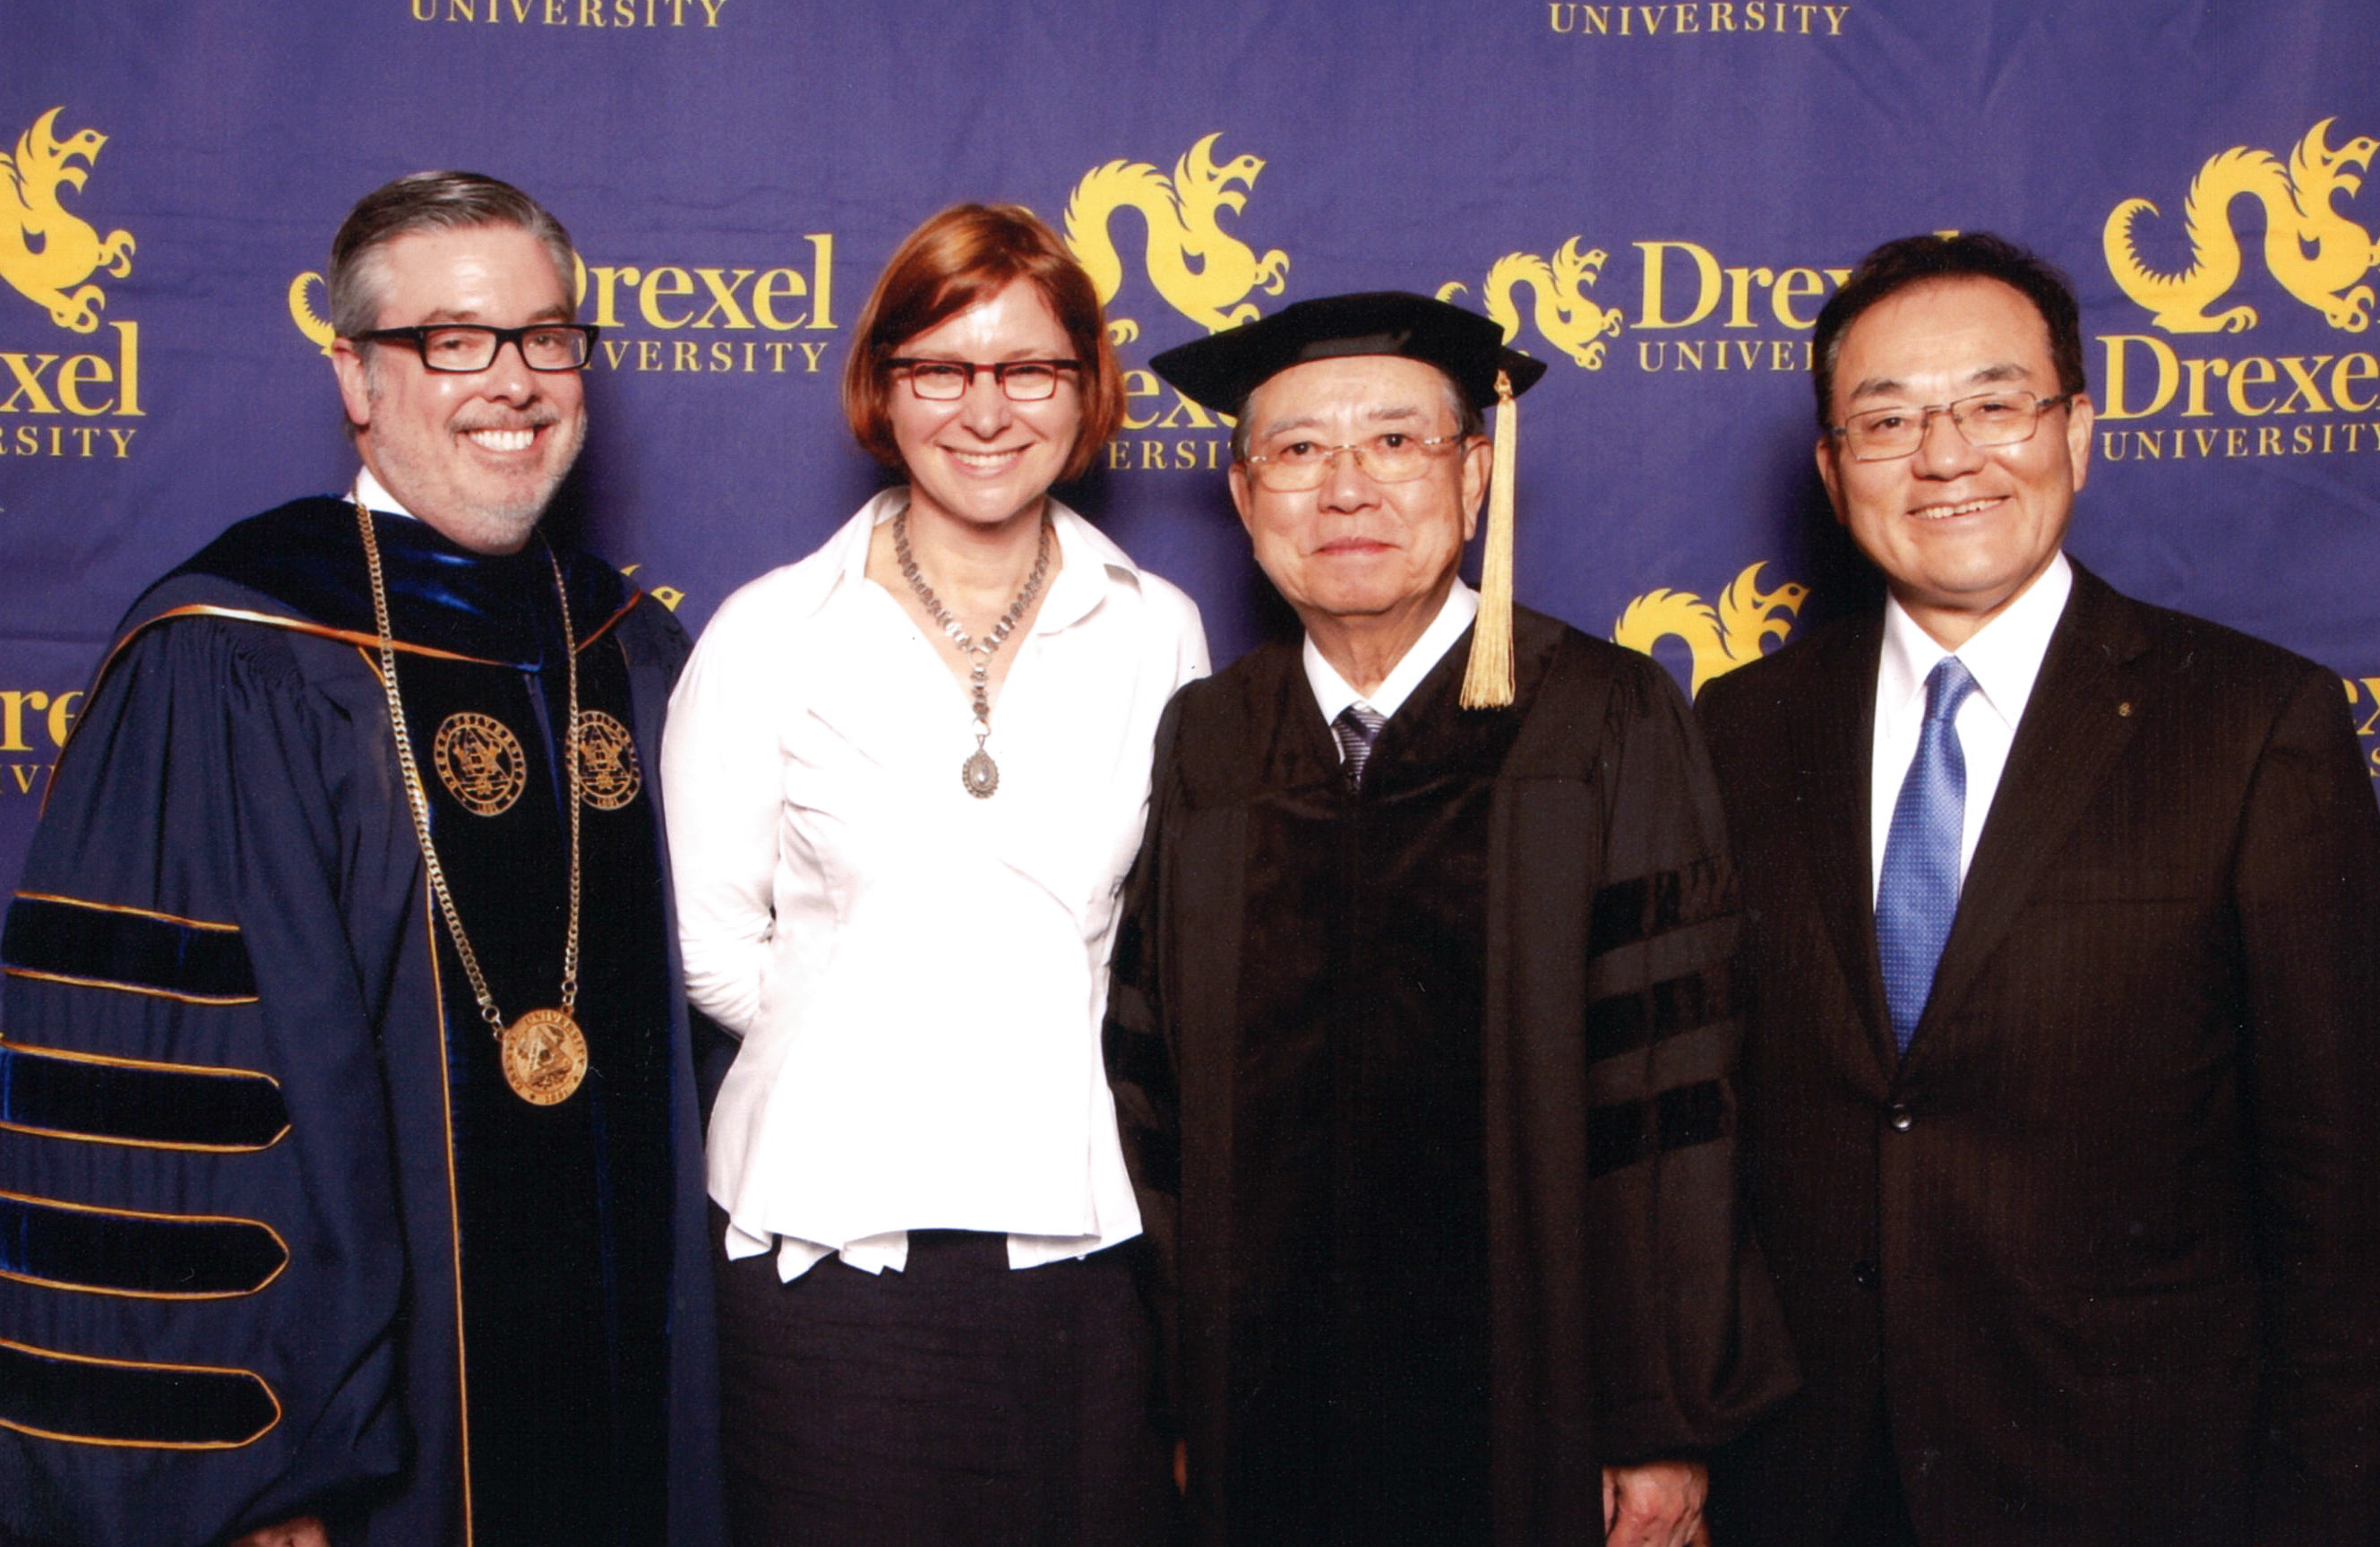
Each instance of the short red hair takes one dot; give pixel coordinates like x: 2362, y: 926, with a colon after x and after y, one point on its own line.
x: 960, y: 258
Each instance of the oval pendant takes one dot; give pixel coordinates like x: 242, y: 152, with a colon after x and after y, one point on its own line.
x: 544, y: 1058
x: 980, y: 774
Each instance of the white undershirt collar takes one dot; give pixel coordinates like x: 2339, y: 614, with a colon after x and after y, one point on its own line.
x: 1332, y: 693
x: 2004, y: 657
x: 375, y: 495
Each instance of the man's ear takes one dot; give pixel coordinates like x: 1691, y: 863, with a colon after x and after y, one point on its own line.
x: 1830, y: 474
x: 2080, y: 417
x: 354, y: 390
x: 1478, y: 457
x: 1243, y: 496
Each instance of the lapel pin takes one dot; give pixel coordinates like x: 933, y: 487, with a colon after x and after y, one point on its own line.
x: 2124, y: 709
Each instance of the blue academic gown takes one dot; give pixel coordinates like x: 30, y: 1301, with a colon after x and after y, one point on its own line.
x: 276, y: 1237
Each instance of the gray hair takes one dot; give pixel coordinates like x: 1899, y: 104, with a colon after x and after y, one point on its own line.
x: 1468, y: 419
x: 427, y: 201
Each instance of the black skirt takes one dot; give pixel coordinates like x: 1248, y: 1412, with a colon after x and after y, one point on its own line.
x: 957, y: 1404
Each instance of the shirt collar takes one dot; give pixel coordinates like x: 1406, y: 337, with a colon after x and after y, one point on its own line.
x: 376, y: 496
x: 1332, y: 692
x: 1091, y: 564
x: 2003, y: 656
x: 1088, y: 560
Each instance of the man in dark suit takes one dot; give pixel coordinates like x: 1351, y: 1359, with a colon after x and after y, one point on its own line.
x: 2060, y: 1119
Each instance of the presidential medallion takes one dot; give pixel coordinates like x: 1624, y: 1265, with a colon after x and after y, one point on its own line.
x: 543, y: 1054
x: 480, y: 762
x: 608, y: 775
x: 544, y: 1058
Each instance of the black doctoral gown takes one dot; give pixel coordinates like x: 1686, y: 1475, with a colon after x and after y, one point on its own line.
x: 276, y: 1235
x: 1427, y: 1090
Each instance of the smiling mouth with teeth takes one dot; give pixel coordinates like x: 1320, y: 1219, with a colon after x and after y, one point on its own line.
x: 1964, y: 508
x: 503, y: 440
x: 987, y: 458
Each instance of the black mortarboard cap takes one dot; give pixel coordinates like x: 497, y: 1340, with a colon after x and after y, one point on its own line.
x: 1219, y: 370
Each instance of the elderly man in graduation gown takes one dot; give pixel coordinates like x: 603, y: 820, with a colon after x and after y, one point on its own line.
x: 349, y: 1171
x: 2061, y: 1081
x: 1423, y: 1026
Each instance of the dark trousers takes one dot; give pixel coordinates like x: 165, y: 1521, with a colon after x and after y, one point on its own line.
x: 957, y: 1404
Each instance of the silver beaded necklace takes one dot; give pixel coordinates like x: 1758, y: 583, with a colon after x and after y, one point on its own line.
x: 978, y: 773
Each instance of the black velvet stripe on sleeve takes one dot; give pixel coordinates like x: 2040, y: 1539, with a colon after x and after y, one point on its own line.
x: 1621, y: 1134
x: 1691, y: 1114
x: 102, y: 1402
x: 124, y: 1104
x: 160, y: 1257
x: 1622, y: 1021
x: 1643, y: 906
x: 55, y: 938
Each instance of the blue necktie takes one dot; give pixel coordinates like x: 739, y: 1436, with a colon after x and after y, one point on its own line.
x: 1356, y: 728
x: 1919, y: 893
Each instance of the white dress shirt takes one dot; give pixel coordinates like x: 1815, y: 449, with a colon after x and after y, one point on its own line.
x: 375, y: 495
x: 1332, y: 692
x: 918, y: 976
x: 2003, y: 656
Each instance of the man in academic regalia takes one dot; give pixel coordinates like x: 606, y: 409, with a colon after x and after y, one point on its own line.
x: 351, y: 1182
x: 1423, y: 1025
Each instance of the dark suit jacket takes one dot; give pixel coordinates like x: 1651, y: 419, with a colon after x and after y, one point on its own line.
x: 2106, y: 1242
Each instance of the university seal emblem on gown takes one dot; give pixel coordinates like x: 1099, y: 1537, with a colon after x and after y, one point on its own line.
x: 479, y: 762
x: 608, y: 773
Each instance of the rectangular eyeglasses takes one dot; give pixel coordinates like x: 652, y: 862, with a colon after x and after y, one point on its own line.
x: 1986, y: 419
x: 1393, y: 456
x: 462, y: 347
x: 944, y: 380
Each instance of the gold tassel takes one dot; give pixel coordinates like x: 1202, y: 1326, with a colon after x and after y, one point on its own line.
x: 1488, y: 679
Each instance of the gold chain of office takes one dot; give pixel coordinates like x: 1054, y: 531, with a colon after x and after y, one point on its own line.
x: 545, y: 1053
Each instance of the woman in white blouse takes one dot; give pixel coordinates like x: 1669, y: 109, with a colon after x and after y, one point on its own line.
x: 905, y: 777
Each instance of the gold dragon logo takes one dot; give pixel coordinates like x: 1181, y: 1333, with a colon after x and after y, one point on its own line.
x: 302, y: 311
x: 1722, y: 638
x: 668, y: 596
x: 45, y: 252
x: 1565, y: 314
x: 1202, y: 272
x: 2315, y: 251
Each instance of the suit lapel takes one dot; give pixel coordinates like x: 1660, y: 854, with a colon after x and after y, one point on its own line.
x: 1832, y: 744
x: 2074, y: 725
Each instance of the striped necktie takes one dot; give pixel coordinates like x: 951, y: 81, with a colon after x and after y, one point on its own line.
x: 1356, y: 728
x: 1918, y: 895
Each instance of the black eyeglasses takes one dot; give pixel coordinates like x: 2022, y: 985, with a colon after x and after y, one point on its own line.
x: 463, y: 348
x: 945, y: 381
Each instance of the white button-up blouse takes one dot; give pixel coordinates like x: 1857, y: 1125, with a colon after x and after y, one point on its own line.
x: 918, y: 976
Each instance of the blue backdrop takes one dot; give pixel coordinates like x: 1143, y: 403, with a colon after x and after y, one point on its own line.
x: 1656, y: 197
